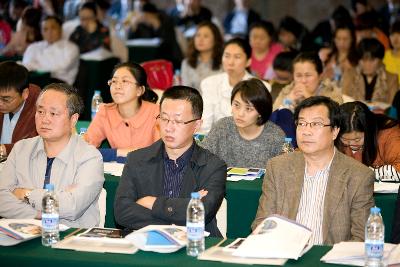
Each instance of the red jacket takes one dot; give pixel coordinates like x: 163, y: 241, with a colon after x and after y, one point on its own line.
x: 25, y: 126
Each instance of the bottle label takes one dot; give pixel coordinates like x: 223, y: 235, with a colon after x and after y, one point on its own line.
x: 50, y: 221
x: 374, y: 249
x: 195, y: 231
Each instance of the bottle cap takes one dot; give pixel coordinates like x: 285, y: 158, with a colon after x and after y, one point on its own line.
x: 195, y: 195
x: 49, y: 187
x: 97, y: 92
x: 288, y: 139
x: 375, y: 210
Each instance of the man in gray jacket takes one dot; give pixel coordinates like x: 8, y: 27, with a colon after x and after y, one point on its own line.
x: 58, y: 157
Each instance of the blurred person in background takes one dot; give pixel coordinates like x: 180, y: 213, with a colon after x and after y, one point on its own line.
x: 204, y: 55
x: 307, y: 81
x: 28, y: 31
x: 370, y: 81
x: 264, y: 48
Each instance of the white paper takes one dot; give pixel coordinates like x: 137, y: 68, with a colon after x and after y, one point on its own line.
x: 113, y: 168
x: 282, y: 238
x: 219, y: 254
x: 24, y: 228
x: 148, y: 42
x: 382, y: 187
x: 98, y: 54
x: 352, y: 253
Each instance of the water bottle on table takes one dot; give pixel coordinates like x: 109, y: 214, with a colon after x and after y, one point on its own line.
x: 50, y: 217
x: 195, y: 226
x: 374, y: 238
x: 96, y: 101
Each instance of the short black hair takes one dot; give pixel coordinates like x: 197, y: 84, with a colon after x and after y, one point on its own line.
x: 91, y: 6
x: 267, y: 26
x: 255, y: 92
x: 311, y: 57
x: 242, y: 43
x: 187, y: 93
x: 371, y: 48
x: 284, y: 61
x: 395, y: 27
x: 13, y: 77
x: 74, y: 101
x: 57, y: 19
x: 331, y: 105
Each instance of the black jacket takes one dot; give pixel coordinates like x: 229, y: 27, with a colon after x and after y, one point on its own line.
x: 143, y: 175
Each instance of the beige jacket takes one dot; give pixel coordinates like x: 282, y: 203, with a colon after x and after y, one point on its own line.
x: 348, y: 197
x: 385, y: 88
x: 328, y: 89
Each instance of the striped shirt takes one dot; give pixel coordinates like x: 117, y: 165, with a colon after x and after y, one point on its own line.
x: 311, y: 207
x: 174, y: 171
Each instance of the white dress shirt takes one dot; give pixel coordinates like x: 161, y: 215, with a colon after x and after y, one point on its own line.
x: 61, y: 59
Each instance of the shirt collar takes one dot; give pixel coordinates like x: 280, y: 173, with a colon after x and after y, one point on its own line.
x: 64, y: 155
x: 135, y: 122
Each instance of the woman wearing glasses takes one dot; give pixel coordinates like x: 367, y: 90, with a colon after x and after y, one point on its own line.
x: 129, y: 122
x: 248, y: 138
x: 372, y: 139
x: 307, y: 81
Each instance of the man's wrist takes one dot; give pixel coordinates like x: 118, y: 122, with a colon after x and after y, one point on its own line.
x: 26, y: 196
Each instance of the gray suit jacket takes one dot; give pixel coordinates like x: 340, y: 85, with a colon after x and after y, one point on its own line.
x: 348, y: 197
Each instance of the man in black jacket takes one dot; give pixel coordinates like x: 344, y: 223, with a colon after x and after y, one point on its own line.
x: 156, y: 183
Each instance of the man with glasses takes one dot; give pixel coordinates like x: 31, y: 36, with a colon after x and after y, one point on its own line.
x: 156, y: 183
x: 318, y: 186
x: 17, y: 106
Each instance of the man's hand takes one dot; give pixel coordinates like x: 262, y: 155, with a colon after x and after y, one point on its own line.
x: 20, y: 192
x: 146, y: 202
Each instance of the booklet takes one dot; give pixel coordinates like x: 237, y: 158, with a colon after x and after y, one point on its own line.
x: 237, y: 174
x: 225, y: 254
x: 276, y: 237
x: 98, y: 240
x: 352, y: 253
x: 159, y: 238
x: 15, y: 231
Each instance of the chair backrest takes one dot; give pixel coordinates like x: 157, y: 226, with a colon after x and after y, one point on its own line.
x: 221, y: 217
x: 102, y: 207
x: 159, y: 73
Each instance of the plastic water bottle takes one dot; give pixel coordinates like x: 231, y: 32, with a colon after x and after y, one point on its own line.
x: 287, y: 146
x: 177, y: 78
x: 374, y: 238
x: 82, y: 131
x: 96, y: 101
x: 50, y: 217
x: 195, y: 226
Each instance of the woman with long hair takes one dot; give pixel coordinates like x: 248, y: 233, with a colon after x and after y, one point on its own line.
x: 129, y: 122
x: 372, y: 139
x: 204, y: 55
x: 344, y: 54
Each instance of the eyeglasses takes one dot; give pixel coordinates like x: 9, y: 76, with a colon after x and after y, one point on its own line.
x: 124, y: 83
x: 165, y: 121
x: 313, y: 124
x: 7, y: 99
